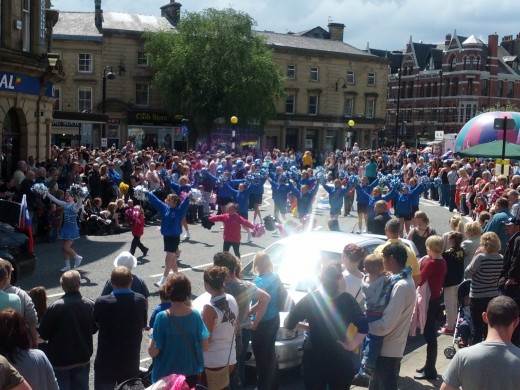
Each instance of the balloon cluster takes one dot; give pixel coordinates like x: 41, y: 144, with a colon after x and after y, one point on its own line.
x: 40, y: 189
x: 258, y: 230
x: 140, y: 193
x: 77, y: 191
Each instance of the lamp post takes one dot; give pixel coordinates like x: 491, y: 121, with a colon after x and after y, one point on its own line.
x: 108, y: 73
x: 234, y: 121
x: 440, y: 101
x: 350, y: 124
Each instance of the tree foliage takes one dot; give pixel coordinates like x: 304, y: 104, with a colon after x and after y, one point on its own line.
x: 215, y: 65
x: 497, y: 107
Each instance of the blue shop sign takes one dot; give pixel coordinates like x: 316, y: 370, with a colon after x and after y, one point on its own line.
x: 21, y: 83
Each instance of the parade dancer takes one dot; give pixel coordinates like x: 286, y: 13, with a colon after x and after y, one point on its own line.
x: 182, y: 186
x: 336, y: 195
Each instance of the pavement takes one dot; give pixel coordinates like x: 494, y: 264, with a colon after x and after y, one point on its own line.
x: 416, y: 359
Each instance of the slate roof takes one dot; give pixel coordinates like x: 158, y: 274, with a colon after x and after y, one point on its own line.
x: 322, y: 45
x: 422, y: 51
x: 80, y: 25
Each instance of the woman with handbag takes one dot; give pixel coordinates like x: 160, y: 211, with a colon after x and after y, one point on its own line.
x: 179, y: 335
x: 221, y: 319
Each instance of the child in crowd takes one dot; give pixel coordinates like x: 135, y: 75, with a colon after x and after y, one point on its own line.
x: 135, y: 218
x: 232, y: 225
x: 376, y: 288
x: 165, y: 304
x: 464, y: 324
x: 38, y: 295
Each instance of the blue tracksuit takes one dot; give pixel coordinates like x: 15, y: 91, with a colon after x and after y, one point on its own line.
x: 280, y: 192
x: 404, y: 202
x: 304, y: 200
x: 177, y: 188
x: 241, y: 199
x: 336, y: 196
x: 171, y: 217
x: 363, y: 192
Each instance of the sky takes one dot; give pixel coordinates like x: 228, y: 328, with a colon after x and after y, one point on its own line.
x: 382, y: 24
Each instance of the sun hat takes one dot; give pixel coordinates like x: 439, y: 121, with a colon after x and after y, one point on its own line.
x: 126, y: 259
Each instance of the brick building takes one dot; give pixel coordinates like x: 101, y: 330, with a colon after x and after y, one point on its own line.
x: 441, y: 87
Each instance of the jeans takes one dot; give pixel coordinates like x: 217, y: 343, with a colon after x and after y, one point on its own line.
x: 445, y: 194
x: 371, y: 350
x: 386, y: 374
x: 452, y: 204
x: 329, y: 370
x: 263, y: 340
x: 235, y: 245
x: 237, y: 380
x: 73, y: 378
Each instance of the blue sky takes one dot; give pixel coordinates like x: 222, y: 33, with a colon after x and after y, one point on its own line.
x: 383, y: 24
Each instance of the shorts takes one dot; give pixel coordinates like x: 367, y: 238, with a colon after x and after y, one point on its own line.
x: 223, y: 201
x: 171, y: 243
x: 244, y: 215
x: 254, y: 199
x: 362, y: 208
x: 414, y: 209
x: 406, y: 217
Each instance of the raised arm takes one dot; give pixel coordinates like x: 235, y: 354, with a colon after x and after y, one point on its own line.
x: 61, y: 203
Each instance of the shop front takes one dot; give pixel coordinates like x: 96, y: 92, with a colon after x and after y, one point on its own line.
x: 76, y: 129
x: 155, y: 130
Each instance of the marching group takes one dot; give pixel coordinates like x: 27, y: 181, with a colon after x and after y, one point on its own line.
x: 397, y: 292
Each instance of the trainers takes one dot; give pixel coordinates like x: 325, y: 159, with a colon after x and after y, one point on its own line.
x: 77, y: 260
x: 186, y: 236
x: 145, y: 251
x: 248, y: 236
x: 446, y: 331
x: 157, y: 284
x: 463, y: 343
x: 66, y: 268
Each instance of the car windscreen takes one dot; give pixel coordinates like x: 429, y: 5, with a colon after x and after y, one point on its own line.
x: 297, y: 266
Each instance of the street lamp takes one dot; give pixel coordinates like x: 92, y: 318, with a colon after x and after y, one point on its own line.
x: 343, y: 86
x: 399, y: 72
x: 108, y: 73
x: 234, y: 121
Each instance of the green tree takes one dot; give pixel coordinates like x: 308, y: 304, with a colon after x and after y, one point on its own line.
x: 497, y: 107
x: 215, y: 65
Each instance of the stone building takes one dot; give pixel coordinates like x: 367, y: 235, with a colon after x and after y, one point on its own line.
x: 440, y: 87
x: 328, y: 83
x: 27, y: 73
x: 107, y: 95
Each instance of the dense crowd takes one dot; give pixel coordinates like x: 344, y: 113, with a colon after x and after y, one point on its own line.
x: 127, y: 189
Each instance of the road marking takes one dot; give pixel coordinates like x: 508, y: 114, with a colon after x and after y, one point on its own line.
x: 55, y: 295
x: 145, y: 360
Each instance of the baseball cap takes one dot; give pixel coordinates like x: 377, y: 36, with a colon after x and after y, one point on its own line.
x: 512, y: 221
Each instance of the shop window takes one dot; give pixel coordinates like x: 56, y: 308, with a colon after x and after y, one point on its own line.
x: 84, y: 99
x: 141, y: 94
x: 85, y: 62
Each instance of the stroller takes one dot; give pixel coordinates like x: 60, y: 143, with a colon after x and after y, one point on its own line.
x: 462, y: 294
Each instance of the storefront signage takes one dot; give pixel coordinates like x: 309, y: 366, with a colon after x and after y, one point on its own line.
x: 149, y: 118
x: 20, y: 83
x: 57, y: 123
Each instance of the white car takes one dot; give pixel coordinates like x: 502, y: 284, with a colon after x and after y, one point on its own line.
x: 297, y: 259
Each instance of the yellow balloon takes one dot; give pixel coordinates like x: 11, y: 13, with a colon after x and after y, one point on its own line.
x: 351, y: 123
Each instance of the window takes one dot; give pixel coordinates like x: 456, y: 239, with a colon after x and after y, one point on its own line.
x: 84, y: 99
x: 85, y: 63
x: 142, y: 60
x: 510, y: 89
x: 464, y: 62
x: 370, y: 111
x: 291, y: 72
x: 349, y: 106
x: 454, y: 86
x: 141, y: 94
x: 371, y: 79
x: 500, y: 88
x: 350, y: 77
x: 313, y: 105
x: 314, y: 74
x: 26, y: 25
x: 290, y: 103
x: 56, y: 94
x: 484, y: 90
x: 453, y: 64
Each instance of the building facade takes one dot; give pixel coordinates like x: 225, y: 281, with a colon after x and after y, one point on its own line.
x: 441, y: 87
x: 27, y: 73
x: 328, y: 83
x: 107, y: 96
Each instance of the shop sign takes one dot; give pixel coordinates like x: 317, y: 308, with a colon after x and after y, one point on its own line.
x: 58, y: 123
x: 20, y: 83
x: 149, y: 118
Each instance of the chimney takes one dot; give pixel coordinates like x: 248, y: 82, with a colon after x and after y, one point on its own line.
x: 172, y: 12
x: 336, y: 31
x: 447, y: 41
x: 492, y: 60
x: 98, y: 15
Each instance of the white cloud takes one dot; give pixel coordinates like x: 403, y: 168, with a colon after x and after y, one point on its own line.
x: 385, y: 24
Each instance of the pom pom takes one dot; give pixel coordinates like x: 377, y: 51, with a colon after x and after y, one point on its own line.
x: 163, y: 175
x: 425, y: 181
x: 77, y: 191
x: 342, y: 174
x: 319, y: 172
x: 204, y: 172
x: 437, y: 182
x: 206, y: 223
x: 421, y: 172
x: 353, y: 180
x: 258, y: 230
x: 258, y: 162
x: 264, y: 173
x: 221, y: 180
x: 131, y: 216
x: 397, y: 184
x: 383, y: 180
x: 140, y: 193
x: 40, y: 189
x: 284, y: 178
x: 123, y: 188
x: 195, y: 197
